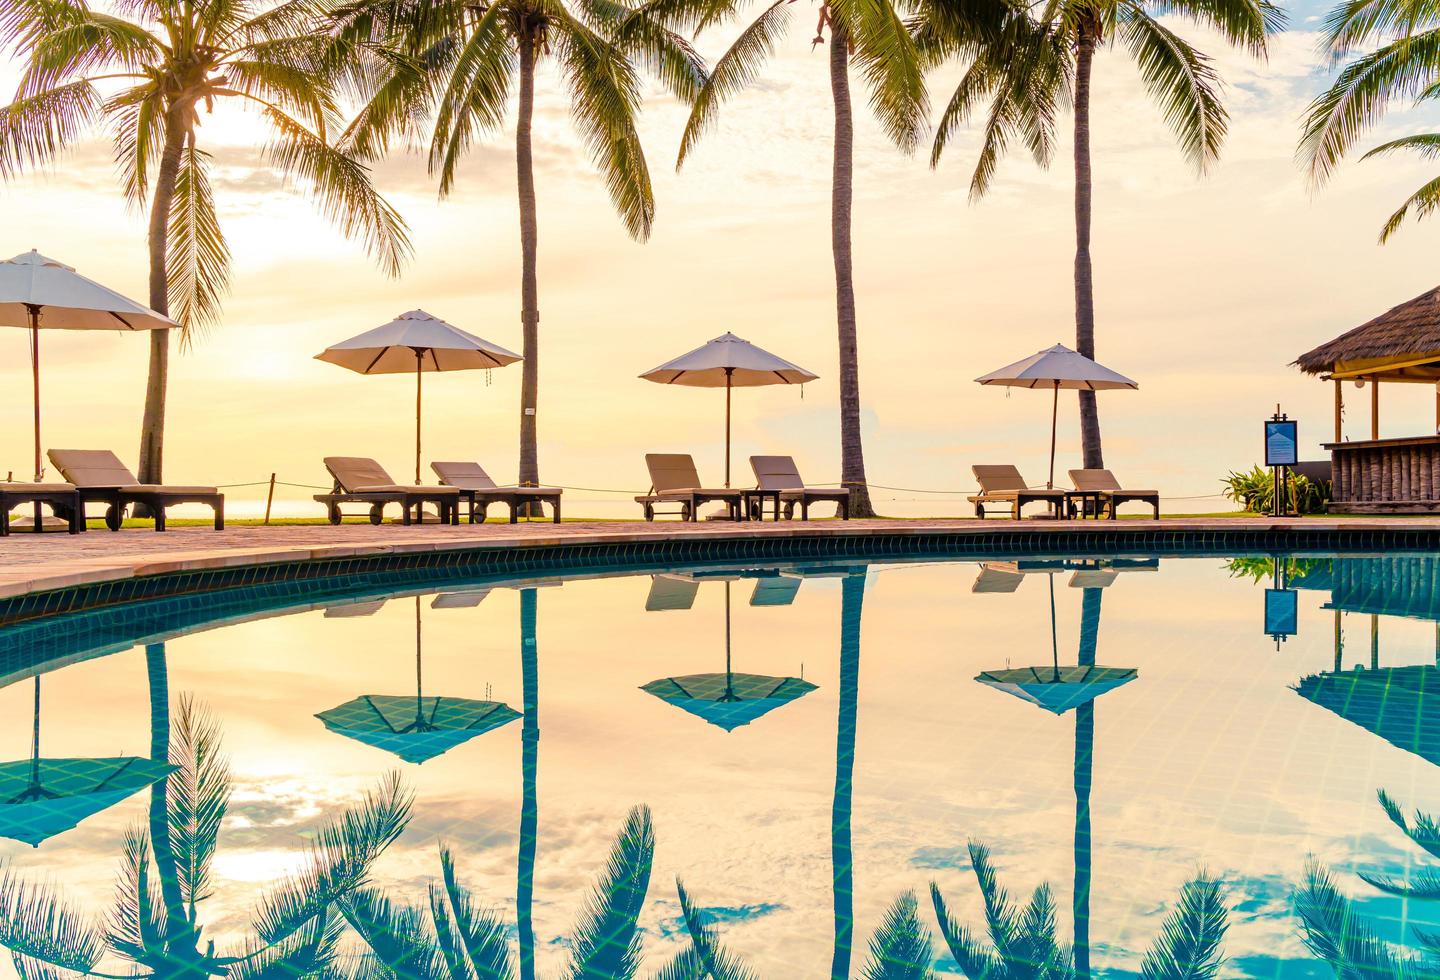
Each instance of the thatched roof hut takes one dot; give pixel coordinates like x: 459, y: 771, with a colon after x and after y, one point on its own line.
x: 1401, y: 344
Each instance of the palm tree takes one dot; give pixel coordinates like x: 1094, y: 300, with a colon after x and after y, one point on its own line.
x: 1338, y: 933
x: 873, y: 33
x: 154, y: 926
x: 455, y: 62
x: 146, y: 80
x: 1399, y: 39
x: 1023, y: 944
x: 1027, y: 68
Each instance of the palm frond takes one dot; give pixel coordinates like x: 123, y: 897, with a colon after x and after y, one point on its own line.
x: 1355, y: 24
x: 87, y: 44
x: 1423, y: 885
x: 396, y: 934
x: 1360, y: 96
x: 1000, y: 916
x: 1190, y: 940
x: 604, y: 98
x: 339, y: 860
x: 38, y: 924
x: 1335, y: 932
x: 1034, y: 949
x: 311, y: 951
x: 199, y: 789
x: 738, y: 67
x: 136, y: 120
x: 1244, y: 24
x: 606, y: 942
x: 975, y: 961
x: 900, y: 948
x: 480, y: 935
x: 1182, y: 80
x: 136, y: 925
x: 36, y: 128
x: 1425, y: 832
x: 342, y: 188
x: 475, y: 95
x: 642, y: 34
x: 684, y: 965
x: 892, y: 66
x: 715, y: 960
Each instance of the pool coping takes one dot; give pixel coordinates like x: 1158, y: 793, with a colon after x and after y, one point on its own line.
x: 68, y: 585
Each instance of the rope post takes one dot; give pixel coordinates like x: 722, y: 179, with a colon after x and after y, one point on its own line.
x: 269, y: 498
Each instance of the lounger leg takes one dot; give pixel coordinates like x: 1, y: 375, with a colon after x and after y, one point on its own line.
x: 555, y: 508
x: 805, y: 510
x: 4, y: 519
x: 844, y: 510
x: 405, y: 513
x: 514, y: 512
x: 158, y: 509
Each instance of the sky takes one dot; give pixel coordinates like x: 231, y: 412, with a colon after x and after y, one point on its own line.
x: 1206, y: 290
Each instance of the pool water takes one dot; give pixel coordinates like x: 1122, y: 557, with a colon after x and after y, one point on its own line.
x: 811, y: 743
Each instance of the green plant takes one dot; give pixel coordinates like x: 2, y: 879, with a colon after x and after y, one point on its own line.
x: 1255, y: 491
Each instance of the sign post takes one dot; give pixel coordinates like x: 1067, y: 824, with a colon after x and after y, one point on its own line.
x: 1282, y: 451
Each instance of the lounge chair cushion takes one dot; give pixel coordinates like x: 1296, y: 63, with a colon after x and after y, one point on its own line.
x: 999, y: 479
x: 37, y: 487
x: 776, y: 473
x: 92, y: 468
x: 165, y: 488
x: 1102, y: 481
x: 404, y: 488
x: 672, y: 471
x: 471, y: 476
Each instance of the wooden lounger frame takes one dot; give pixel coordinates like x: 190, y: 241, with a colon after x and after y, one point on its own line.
x: 65, y: 503
x: 477, y: 501
x: 116, y: 499
x: 446, y: 499
x: 690, y: 502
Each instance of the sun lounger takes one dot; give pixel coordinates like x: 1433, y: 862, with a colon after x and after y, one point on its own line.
x: 777, y: 591
x: 668, y: 592
x: 674, y: 480
x: 1004, y: 485
x: 1103, y: 485
x: 359, y: 480
x: 997, y: 577
x: 778, y: 477
x: 63, y: 498
x: 478, y: 491
x: 100, y: 477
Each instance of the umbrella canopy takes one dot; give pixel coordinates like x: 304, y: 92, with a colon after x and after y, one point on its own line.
x: 1058, y: 689
x: 728, y: 700
x: 40, y: 798
x: 418, y: 342
x: 1055, y: 368
x: 39, y: 293
x: 416, y: 728
x: 728, y: 362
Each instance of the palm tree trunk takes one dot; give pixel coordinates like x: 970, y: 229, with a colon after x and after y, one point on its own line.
x: 529, y: 290
x: 1084, y: 278
x: 152, y: 426
x: 176, y: 923
x: 529, y: 797
x: 842, y: 858
x: 852, y: 454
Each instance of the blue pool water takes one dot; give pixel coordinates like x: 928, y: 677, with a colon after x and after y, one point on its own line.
x: 809, y: 742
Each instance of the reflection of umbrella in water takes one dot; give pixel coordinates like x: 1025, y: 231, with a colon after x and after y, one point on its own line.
x: 40, y: 798
x: 1390, y: 702
x: 416, y: 728
x: 728, y: 700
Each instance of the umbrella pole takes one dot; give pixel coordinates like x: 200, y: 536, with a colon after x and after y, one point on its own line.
x: 1054, y: 418
x: 1054, y: 642
x: 419, y: 360
x: 417, y: 656
x: 729, y: 374
x: 35, y: 380
x: 729, y: 685
x: 35, y: 740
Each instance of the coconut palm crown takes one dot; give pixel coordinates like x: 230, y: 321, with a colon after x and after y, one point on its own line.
x: 442, y: 73
x: 147, y: 75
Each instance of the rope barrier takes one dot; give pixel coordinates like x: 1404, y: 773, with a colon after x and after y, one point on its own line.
x: 956, y: 494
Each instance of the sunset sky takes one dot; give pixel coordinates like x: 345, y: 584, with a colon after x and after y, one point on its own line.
x: 1206, y: 289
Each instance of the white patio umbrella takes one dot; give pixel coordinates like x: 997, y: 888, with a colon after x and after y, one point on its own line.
x: 39, y: 293
x: 1055, y: 368
x: 728, y: 362
x: 419, y: 342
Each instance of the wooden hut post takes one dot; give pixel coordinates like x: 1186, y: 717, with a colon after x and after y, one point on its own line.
x: 1340, y: 410
x: 1374, y: 642
x: 1374, y: 407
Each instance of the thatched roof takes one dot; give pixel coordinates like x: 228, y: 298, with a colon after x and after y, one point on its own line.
x: 1406, y: 334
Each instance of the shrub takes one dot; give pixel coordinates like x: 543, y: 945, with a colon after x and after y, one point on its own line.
x: 1255, y: 491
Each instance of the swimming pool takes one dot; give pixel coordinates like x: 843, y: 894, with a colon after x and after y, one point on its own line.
x: 809, y: 741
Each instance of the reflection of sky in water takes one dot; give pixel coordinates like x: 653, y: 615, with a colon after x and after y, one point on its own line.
x: 1207, y: 759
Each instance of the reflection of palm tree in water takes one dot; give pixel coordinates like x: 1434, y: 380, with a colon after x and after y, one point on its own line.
x: 529, y: 797
x: 1084, y: 770
x: 841, y: 857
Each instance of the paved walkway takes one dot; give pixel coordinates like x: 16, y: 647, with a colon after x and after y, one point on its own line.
x: 32, y: 563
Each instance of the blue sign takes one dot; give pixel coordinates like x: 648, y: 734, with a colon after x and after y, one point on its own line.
x: 1282, y: 443
x: 1282, y: 612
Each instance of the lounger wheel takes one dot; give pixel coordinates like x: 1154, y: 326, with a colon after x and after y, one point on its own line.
x: 114, y: 514
x: 377, y: 513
